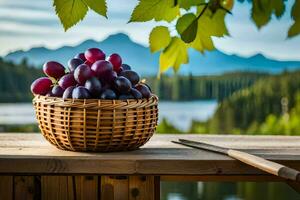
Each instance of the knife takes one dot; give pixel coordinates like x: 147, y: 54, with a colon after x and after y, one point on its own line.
x: 247, y: 158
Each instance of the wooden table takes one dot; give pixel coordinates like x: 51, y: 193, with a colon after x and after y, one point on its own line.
x: 33, y: 169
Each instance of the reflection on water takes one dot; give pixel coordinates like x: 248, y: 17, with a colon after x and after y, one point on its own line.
x: 227, y: 191
x: 17, y: 113
x: 181, y: 114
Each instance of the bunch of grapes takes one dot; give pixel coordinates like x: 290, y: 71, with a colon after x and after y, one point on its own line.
x: 90, y: 75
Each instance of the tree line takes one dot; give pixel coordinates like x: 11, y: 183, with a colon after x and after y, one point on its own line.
x: 15, y: 81
x: 269, y: 106
x: 185, y: 88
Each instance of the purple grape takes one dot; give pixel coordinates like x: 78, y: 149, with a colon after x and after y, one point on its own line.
x: 131, y: 75
x: 136, y: 93
x: 74, y: 63
x: 144, y: 90
x: 88, y: 63
x: 67, y: 81
x: 94, y: 86
x: 122, y: 84
x: 94, y: 54
x: 106, y: 86
x: 81, y: 56
x: 41, y: 86
x: 68, y: 92
x: 120, y: 70
x: 80, y: 92
x: 147, y: 86
x: 116, y: 61
x: 125, y: 67
x: 54, y: 69
x: 110, y: 77
x: 82, y: 73
x: 126, y: 96
x: 108, y: 94
x: 49, y: 94
x: 57, y: 91
x: 101, y: 68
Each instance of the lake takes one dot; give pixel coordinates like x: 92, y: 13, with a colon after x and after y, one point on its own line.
x: 180, y: 114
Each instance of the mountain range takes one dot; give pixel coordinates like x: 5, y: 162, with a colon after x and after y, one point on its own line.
x: 142, y: 61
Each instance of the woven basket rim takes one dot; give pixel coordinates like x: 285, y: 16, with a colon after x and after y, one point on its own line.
x: 96, y: 103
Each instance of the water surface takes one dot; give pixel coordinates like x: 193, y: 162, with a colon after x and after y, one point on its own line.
x: 180, y: 114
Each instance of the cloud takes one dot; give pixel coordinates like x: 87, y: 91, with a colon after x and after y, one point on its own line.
x: 270, y: 40
x: 27, y: 23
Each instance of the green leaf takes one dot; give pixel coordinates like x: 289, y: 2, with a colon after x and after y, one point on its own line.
x: 261, y: 12
x: 279, y: 7
x: 294, y: 29
x: 174, y: 55
x: 213, y: 22
x: 187, y: 4
x: 159, y: 10
x: 202, y: 41
x: 209, y: 25
x: 187, y: 27
x: 159, y: 38
x: 99, y: 6
x: 70, y: 12
x: 263, y: 9
x: 295, y: 13
x: 296, y: 10
x: 218, y: 25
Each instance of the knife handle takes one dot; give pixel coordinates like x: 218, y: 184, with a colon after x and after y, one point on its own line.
x: 265, y: 165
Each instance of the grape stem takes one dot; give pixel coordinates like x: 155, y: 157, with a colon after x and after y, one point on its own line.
x: 228, y: 11
x: 206, y: 6
x: 202, y: 11
x: 175, y: 2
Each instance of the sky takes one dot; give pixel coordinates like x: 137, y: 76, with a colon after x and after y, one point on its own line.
x: 31, y: 23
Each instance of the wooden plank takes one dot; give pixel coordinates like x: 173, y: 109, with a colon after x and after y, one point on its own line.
x: 26, y: 187
x: 141, y: 188
x: 157, y: 187
x: 79, y: 166
x: 220, y: 178
x: 163, y: 141
x: 87, y: 187
x: 107, y: 188
x: 57, y: 187
x: 18, y: 155
x: 157, y: 153
x: 146, y: 167
x: 6, y: 187
x: 202, y: 167
x: 114, y: 187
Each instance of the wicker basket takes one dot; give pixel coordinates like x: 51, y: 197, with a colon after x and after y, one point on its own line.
x: 96, y: 125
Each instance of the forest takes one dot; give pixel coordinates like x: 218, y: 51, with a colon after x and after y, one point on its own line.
x: 186, y: 88
x: 270, y: 106
x: 274, y: 100
x: 15, y: 81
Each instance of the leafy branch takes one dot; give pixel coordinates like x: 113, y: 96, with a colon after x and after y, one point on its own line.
x: 194, y: 27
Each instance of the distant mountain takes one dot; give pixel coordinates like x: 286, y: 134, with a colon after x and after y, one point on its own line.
x: 140, y: 58
x: 132, y: 53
